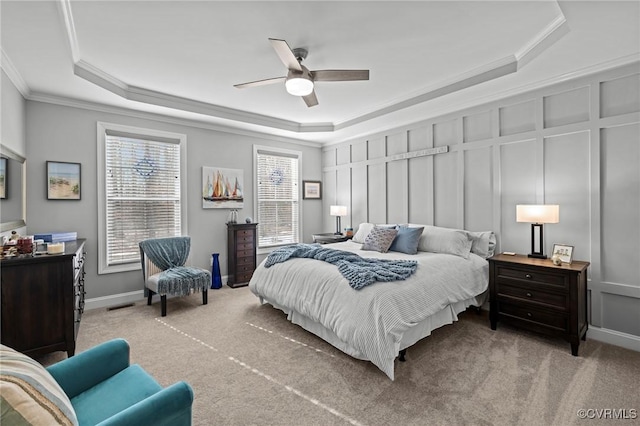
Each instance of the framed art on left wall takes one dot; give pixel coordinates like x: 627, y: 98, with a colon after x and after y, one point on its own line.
x: 63, y: 180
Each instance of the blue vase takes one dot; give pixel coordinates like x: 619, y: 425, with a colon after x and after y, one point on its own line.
x: 216, y: 279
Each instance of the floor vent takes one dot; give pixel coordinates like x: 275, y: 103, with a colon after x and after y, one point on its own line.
x: 126, y: 305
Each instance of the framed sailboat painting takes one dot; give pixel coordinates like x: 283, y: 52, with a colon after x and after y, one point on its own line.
x: 222, y: 188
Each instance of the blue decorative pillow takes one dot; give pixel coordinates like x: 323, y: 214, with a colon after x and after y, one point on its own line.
x: 407, y: 240
x: 379, y: 239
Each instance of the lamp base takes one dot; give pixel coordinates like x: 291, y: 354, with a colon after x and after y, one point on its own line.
x: 537, y: 255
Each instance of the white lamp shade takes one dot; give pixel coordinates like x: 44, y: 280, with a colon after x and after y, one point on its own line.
x: 338, y: 210
x: 299, y: 86
x: 538, y: 213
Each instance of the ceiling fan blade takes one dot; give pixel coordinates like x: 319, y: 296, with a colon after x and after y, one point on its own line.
x: 286, y: 55
x: 311, y: 99
x: 260, y: 82
x: 340, y: 75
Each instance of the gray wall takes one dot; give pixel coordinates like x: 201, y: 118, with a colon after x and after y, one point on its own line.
x: 61, y: 133
x: 13, y: 136
x: 13, y: 120
x: 575, y: 144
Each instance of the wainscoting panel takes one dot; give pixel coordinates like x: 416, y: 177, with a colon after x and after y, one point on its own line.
x: 478, y: 182
x: 358, y: 207
x: 567, y: 183
x: 620, y: 96
x: 377, y: 190
x: 518, y: 174
x: 566, y: 107
x: 574, y: 143
x: 620, y: 192
x: 445, y: 189
x: 477, y: 127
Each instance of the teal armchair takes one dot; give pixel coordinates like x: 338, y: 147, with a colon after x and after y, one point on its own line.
x: 104, y: 389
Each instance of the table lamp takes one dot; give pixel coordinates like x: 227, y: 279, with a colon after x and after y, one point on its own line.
x: 338, y: 211
x: 537, y: 215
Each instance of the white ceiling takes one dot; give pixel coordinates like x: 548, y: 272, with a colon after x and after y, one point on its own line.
x: 182, y: 58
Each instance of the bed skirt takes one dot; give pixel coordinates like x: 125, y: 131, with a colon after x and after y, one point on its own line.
x: 446, y: 316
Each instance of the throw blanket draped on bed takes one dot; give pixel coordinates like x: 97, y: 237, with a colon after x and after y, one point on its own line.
x: 359, y: 271
x: 170, y: 254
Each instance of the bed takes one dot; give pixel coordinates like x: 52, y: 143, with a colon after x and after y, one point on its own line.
x: 378, y: 321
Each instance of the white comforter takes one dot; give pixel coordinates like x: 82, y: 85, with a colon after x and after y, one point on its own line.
x: 371, y: 320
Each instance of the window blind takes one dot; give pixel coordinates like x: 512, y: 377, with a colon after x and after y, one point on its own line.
x: 278, y: 199
x: 142, y: 194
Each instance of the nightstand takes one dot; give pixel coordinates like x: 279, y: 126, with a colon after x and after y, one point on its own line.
x: 536, y: 295
x: 329, y: 238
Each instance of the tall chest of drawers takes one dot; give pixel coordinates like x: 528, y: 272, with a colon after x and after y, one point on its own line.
x: 537, y: 295
x: 43, y: 300
x: 241, y: 253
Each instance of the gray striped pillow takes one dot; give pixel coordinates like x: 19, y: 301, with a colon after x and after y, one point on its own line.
x: 30, y: 394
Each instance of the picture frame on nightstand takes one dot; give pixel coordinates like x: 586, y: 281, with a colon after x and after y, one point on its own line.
x: 564, y: 251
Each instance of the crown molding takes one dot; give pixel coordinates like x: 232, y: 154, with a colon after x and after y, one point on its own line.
x: 64, y: 9
x: 93, y: 106
x: 7, y: 66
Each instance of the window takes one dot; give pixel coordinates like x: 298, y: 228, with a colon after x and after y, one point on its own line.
x: 140, y: 187
x: 277, y: 196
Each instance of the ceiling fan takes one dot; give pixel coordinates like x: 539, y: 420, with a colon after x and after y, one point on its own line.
x: 299, y: 81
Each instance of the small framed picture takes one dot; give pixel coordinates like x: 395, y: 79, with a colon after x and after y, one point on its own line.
x: 63, y: 181
x: 564, y: 251
x: 311, y: 190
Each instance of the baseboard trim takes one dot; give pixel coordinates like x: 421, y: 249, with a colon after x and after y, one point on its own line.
x: 628, y: 341
x: 114, y: 300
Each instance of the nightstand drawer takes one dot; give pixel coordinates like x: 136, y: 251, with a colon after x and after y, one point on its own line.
x: 244, y: 277
x: 243, y: 253
x: 531, y: 276
x: 532, y: 294
x: 245, y: 233
x: 529, y: 313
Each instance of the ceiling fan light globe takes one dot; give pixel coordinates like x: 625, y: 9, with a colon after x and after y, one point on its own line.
x: 299, y: 86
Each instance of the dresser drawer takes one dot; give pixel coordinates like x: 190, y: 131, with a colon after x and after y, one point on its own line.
x: 244, y: 277
x: 245, y: 233
x: 246, y: 260
x: 244, y: 246
x: 244, y: 253
x: 532, y: 294
x: 244, y: 268
x: 529, y: 313
x: 507, y: 274
x: 244, y: 239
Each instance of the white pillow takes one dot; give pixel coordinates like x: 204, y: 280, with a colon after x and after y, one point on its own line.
x: 482, y: 243
x: 362, y: 232
x: 444, y: 240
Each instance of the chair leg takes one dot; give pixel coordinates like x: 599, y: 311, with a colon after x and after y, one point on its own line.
x: 163, y: 305
x: 149, y: 295
x: 204, y: 296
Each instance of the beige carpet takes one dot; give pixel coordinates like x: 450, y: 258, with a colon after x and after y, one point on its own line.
x: 249, y: 366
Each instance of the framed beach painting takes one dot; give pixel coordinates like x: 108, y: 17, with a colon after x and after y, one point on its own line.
x: 222, y: 188
x: 311, y: 190
x: 63, y: 180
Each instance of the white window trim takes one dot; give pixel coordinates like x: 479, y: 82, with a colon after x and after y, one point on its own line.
x: 290, y: 152
x: 102, y: 127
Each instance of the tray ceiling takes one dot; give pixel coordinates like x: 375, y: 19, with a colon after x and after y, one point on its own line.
x: 182, y: 58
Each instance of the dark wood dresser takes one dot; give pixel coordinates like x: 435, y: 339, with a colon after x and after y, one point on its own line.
x: 537, y: 295
x: 43, y: 300
x: 241, y: 253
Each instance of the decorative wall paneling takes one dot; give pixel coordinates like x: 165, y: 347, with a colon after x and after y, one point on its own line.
x: 576, y: 144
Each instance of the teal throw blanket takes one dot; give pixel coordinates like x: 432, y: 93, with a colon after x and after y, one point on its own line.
x: 170, y: 254
x: 359, y: 271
